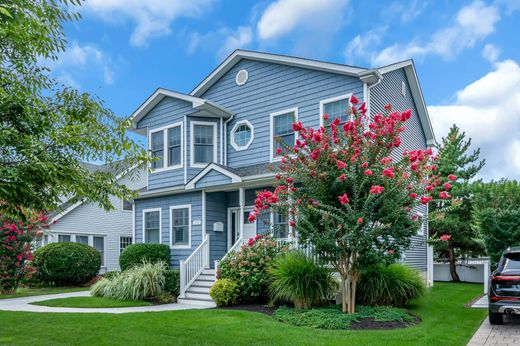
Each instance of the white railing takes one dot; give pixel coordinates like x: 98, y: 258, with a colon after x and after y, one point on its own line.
x: 191, y: 268
x: 235, y: 248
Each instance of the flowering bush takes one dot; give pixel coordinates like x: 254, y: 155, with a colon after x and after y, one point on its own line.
x: 248, y: 267
x: 16, y: 239
x: 350, y: 194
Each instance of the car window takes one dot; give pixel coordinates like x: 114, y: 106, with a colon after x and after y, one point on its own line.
x: 511, y: 262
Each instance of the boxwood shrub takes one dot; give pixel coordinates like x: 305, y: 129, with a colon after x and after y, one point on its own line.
x: 171, y: 282
x: 65, y: 264
x: 136, y: 254
x: 225, y: 292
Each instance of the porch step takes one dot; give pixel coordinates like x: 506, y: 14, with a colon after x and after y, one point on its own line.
x: 209, y: 272
x: 206, y: 277
x: 196, y: 302
x: 200, y: 283
x: 199, y: 289
x: 198, y: 296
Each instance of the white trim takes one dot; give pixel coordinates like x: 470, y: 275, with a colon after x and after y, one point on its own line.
x: 192, y: 144
x: 232, y: 139
x: 66, y: 211
x: 185, y: 151
x: 212, y: 166
x: 238, y: 55
x: 273, y: 115
x: 144, y: 223
x: 133, y: 225
x: 123, y: 204
x: 165, y: 129
x: 159, y: 94
x: 203, y: 198
x: 183, y: 246
x: 330, y: 100
x: 245, y: 79
x: 221, y: 125
x: 241, y: 202
x: 229, y: 226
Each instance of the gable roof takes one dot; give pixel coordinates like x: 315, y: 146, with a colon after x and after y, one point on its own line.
x: 226, y: 171
x: 370, y: 76
x: 202, y: 107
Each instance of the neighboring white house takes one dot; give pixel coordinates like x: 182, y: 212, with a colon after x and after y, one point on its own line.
x: 108, y: 232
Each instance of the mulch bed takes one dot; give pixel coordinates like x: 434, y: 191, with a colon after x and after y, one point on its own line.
x: 370, y: 323
x: 266, y: 310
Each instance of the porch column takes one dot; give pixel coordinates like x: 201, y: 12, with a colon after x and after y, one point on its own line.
x: 241, y: 201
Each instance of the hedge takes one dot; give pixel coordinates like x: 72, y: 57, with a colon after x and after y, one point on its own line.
x: 135, y: 254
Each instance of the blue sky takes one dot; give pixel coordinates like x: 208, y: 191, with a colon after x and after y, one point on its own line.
x: 467, y: 53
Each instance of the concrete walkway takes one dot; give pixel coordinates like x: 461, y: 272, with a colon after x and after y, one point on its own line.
x: 23, y: 304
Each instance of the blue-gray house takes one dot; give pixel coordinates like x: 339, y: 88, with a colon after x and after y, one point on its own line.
x: 214, y: 148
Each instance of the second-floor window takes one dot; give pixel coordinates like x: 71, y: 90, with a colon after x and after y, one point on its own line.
x: 157, y: 147
x: 166, y: 146
x: 174, y: 146
x: 282, y: 134
x: 203, y: 143
x: 336, y: 107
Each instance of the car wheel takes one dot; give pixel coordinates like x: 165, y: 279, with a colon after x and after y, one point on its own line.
x: 495, y: 318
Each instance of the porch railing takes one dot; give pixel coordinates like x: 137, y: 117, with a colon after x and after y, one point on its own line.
x: 238, y: 244
x: 191, y: 268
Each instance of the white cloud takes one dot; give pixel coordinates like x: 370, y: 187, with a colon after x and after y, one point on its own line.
x: 152, y: 17
x: 283, y: 16
x: 488, y: 110
x: 406, y: 11
x: 490, y: 52
x: 361, y: 46
x: 473, y: 23
x: 222, y: 41
x: 239, y: 38
x: 78, y: 59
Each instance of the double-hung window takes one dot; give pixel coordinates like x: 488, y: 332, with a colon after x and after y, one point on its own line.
x: 152, y: 226
x: 98, y: 243
x: 157, y: 147
x: 281, y: 226
x: 175, y: 146
x: 282, y: 134
x: 166, y: 146
x: 82, y: 239
x: 180, y: 226
x: 203, y: 143
x: 336, y: 107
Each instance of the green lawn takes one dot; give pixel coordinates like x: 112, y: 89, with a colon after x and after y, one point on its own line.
x: 445, y: 322
x: 90, y: 302
x: 29, y: 292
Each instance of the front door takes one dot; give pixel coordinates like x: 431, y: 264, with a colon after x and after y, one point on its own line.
x: 249, y: 227
x: 234, y: 225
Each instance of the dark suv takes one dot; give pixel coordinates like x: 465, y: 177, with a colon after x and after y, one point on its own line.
x: 504, y: 287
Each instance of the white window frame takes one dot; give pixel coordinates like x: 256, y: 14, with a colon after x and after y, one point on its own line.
x: 123, y: 204
x: 421, y: 230
x: 272, y: 157
x: 246, y: 146
x: 182, y: 246
x: 54, y: 238
x: 165, y: 129
x: 144, y: 223
x: 123, y: 236
x: 330, y: 100
x: 105, y: 249
x: 289, y: 228
x: 192, y: 143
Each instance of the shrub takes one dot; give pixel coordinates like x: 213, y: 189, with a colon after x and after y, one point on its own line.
x: 331, y: 317
x: 300, y: 280
x: 392, y: 285
x: 137, y: 283
x: 225, y: 292
x: 135, y: 254
x: 171, y: 282
x: 248, y: 267
x: 67, y: 263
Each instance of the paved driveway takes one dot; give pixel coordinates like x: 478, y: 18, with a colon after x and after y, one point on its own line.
x: 507, y: 334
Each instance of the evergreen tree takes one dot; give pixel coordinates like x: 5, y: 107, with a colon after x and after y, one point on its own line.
x: 455, y: 158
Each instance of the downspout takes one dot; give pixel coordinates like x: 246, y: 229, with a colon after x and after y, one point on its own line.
x: 185, y: 140
x: 225, y: 137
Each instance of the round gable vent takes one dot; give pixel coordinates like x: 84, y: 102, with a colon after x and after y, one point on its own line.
x: 241, y: 77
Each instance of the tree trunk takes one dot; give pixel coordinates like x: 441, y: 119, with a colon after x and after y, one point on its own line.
x: 453, y: 267
x: 348, y: 293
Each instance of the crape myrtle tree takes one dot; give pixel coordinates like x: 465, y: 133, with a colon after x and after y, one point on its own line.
x: 46, y: 130
x: 346, y: 196
x: 456, y: 158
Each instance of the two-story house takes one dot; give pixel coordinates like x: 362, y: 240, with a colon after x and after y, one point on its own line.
x: 214, y: 147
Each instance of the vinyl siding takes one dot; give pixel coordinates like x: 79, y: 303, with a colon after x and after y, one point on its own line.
x: 90, y: 219
x: 271, y: 88
x: 216, y: 211
x: 164, y: 203
x: 213, y: 178
x: 389, y: 91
